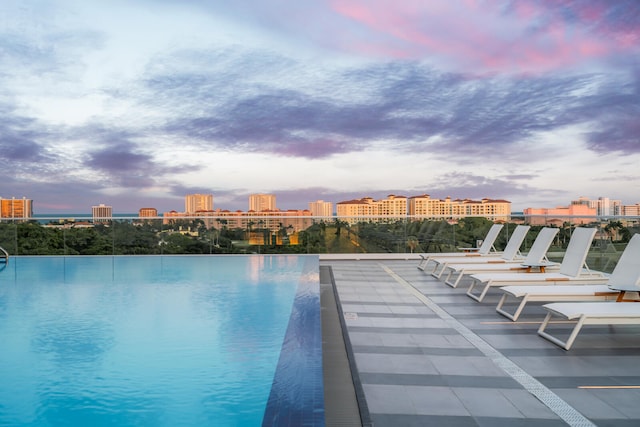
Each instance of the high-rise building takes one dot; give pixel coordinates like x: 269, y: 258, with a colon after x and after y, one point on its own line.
x: 148, y: 212
x: 603, y: 205
x: 16, y: 208
x: 262, y: 202
x: 101, y: 213
x: 321, y: 208
x: 197, y: 202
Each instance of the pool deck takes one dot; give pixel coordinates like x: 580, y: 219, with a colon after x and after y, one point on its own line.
x: 426, y: 354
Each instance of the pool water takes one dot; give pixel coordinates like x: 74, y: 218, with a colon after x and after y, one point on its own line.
x: 160, y: 341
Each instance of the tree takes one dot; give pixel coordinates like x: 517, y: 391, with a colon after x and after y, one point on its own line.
x: 412, y: 242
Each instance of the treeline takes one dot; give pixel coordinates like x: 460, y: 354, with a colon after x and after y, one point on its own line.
x: 193, y: 237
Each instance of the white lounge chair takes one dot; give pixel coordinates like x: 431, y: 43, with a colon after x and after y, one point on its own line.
x: 589, y: 313
x: 485, y: 249
x: 624, y: 278
x: 597, y: 313
x: 537, y: 257
x: 572, y: 269
x: 511, y: 253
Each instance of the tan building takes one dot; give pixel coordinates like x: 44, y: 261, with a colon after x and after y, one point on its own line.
x: 320, y: 208
x: 101, y: 213
x: 16, y: 208
x: 631, y: 210
x: 368, y: 209
x: 424, y: 206
x: 394, y: 206
x: 198, y: 202
x: 354, y: 211
x: 262, y: 202
x: 148, y: 212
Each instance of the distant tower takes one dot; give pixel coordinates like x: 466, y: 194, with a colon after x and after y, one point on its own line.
x: 321, y: 208
x: 101, y: 213
x: 262, y: 202
x: 198, y: 202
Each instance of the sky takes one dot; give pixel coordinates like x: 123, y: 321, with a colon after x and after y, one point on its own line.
x: 137, y: 103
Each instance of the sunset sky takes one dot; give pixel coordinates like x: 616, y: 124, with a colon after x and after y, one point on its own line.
x: 136, y: 103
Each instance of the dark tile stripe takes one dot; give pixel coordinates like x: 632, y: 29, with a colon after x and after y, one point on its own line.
x: 397, y: 315
x: 395, y: 420
x: 574, y: 382
x: 421, y: 331
x: 470, y: 381
x: 431, y: 351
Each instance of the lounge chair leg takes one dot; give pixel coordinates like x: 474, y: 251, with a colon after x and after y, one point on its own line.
x: 435, y: 273
x: 424, y: 264
x: 564, y: 344
x: 448, y: 276
x: 448, y: 280
x: 574, y: 333
x: 480, y: 297
x: 516, y: 314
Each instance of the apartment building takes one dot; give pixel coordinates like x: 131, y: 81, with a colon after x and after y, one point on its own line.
x: 16, y: 208
x: 101, y: 213
x: 393, y: 205
x: 320, y: 208
x: 197, y: 202
x: 631, y: 210
x: 262, y: 202
x: 423, y: 206
x: 368, y: 209
x: 148, y: 212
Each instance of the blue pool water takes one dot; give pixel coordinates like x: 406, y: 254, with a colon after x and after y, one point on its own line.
x: 160, y: 341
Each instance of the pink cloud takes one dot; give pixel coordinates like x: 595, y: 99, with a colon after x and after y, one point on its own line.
x: 524, y: 38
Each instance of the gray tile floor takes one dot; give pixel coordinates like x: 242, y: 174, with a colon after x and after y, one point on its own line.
x: 427, y: 354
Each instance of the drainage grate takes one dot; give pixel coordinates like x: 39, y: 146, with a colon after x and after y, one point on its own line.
x: 561, y: 408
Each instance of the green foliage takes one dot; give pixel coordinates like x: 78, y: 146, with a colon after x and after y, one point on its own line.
x: 192, y: 237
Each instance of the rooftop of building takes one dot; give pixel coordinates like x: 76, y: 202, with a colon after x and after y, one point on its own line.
x: 426, y: 354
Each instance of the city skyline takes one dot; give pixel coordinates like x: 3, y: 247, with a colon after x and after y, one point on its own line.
x: 197, y: 204
x: 139, y: 103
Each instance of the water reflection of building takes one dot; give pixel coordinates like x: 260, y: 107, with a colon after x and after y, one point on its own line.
x: 573, y: 214
x: 275, y: 221
x: 16, y: 208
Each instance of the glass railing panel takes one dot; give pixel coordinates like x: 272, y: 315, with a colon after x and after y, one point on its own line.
x: 314, y: 235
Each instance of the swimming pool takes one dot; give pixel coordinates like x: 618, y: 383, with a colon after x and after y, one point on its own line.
x: 160, y: 341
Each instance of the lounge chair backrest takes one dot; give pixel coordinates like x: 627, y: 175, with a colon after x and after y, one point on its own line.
x: 577, y: 250
x: 490, y: 239
x: 514, y: 243
x: 627, y: 271
x: 538, y: 251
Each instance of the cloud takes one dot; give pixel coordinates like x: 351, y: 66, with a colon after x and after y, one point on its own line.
x: 514, y: 37
x: 408, y: 104
x: 109, y: 107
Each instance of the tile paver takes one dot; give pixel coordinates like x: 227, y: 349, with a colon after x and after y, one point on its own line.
x: 416, y: 369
